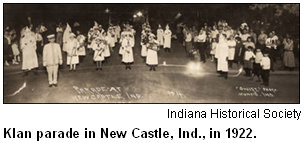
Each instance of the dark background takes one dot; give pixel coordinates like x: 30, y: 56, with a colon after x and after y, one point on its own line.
x: 15, y: 15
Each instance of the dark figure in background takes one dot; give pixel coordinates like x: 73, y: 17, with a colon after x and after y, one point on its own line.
x: 201, y: 44
x: 248, y: 61
x: 39, y: 42
x: 42, y: 30
x: 7, y: 50
x: 179, y: 34
x: 239, y: 51
x: 59, y: 35
x: 271, y: 44
x: 262, y: 40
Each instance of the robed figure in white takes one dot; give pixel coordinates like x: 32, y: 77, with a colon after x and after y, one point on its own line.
x: 28, y: 47
x: 167, y: 37
x: 66, y: 37
x: 127, y: 55
x: 222, y: 53
x: 106, y: 39
x: 72, y: 46
x: 99, y: 47
x: 160, y: 35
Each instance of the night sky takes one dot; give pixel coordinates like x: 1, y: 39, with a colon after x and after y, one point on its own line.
x: 121, y: 12
x: 15, y: 15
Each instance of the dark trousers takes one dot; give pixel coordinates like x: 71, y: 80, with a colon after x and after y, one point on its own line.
x: 202, y: 49
x: 272, y: 57
x: 265, y: 77
x: 257, y: 69
x: 248, y: 71
x: 179, y: 37
x: 230, y: 62
x: 81, y: 58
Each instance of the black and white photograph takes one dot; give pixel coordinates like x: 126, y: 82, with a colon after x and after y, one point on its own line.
x: 151, y: 53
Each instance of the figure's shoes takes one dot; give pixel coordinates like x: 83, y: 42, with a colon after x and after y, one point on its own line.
x: 56, y: 85
x: 50, y: 85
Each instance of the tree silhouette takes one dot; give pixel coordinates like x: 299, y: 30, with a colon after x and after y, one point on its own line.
x: 279, y: 8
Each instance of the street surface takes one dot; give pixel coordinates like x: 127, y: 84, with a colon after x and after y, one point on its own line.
x: 176, y: 81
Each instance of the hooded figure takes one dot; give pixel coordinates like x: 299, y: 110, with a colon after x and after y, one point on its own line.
x: 72, y: 46
x: 167, y: 37
x: 222, y: 53
x: 81, y: 51
x: 66, y: 37
x: 123, y: 36
x: 127, y: 55
x: 98, y: 47
x: 160, y: 35
x: 95, y: 25
x: 28, y: 47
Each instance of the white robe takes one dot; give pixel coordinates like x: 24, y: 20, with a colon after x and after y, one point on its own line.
x: 231, y: 45
x: 66, y: 37
x: 127, y: 55
x: 72, y: 52
x: 221, y: 53
x: 98, y: 51
x: 167, y: 37
x: 81, y: 49
x: 152, y: 58
x: 143, y: 50
x: 28, y: 47
x: 160, y: 36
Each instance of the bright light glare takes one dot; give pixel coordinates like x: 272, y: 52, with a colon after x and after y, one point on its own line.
x: 195, y: 69
x: 134, y: 16
x: 139, y: 14
x: 107, y: 10
x: 194, y: 66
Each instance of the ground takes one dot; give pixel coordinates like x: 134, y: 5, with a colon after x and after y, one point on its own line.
x: 173, y: 82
